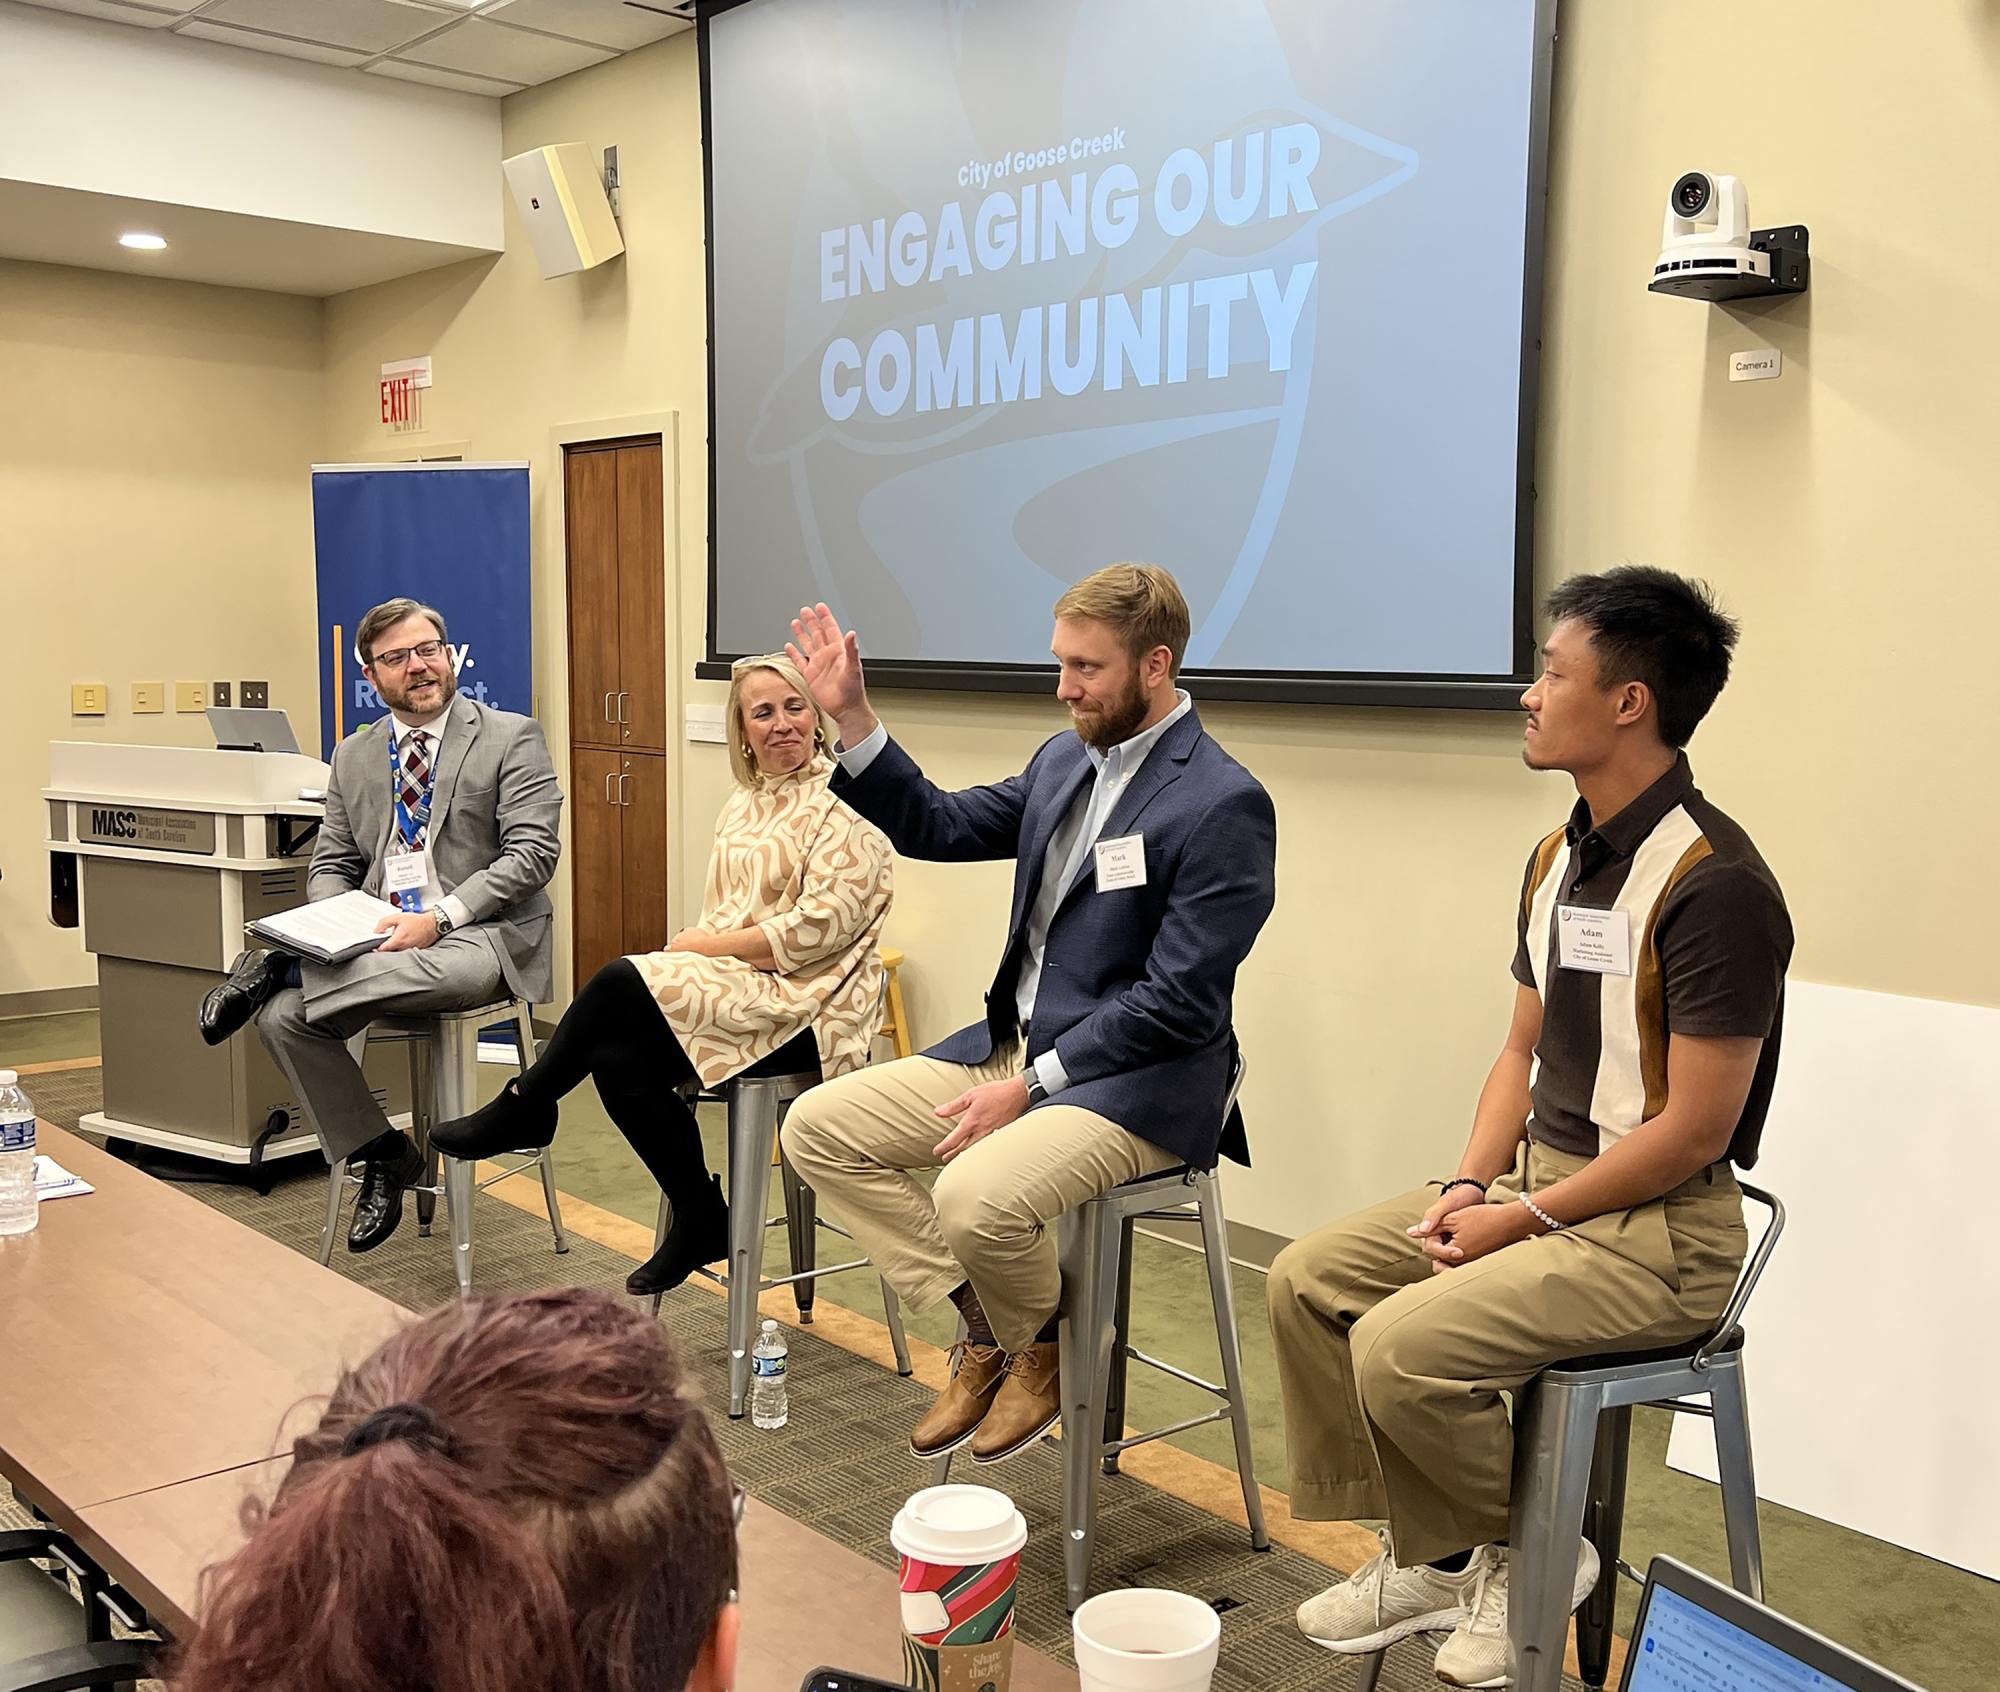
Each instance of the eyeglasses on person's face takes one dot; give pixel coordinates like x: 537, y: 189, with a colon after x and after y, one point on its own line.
x: 399, y: 657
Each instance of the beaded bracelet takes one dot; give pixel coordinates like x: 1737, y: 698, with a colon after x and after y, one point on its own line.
x: 1461, y: 1181
x: 1541, y: 1215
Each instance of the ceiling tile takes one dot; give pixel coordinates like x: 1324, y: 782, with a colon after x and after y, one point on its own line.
x: 367, y: 26
x: 203, y: 30
x: 514, y: 55
x: 147, y: 17
x: 443, y: 78
x: 609, y: 23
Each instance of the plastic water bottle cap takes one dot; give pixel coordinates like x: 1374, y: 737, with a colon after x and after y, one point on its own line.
x: 8, y: 1078
x: 770, y: 1322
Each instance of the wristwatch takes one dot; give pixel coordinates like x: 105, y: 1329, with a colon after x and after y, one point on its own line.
x: 1037, y: 1093
x: 444, y: 922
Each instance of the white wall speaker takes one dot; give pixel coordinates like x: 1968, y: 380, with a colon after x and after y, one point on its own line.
x: 563, y: 203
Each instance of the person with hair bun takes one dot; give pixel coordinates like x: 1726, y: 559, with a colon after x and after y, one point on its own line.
x: 510, y: 1495
x: 781, y: 969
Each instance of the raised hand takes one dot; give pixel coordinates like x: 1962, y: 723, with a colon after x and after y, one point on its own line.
x: 830, y: 660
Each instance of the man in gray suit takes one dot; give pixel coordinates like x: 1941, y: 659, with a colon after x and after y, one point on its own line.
x: 448, y: 809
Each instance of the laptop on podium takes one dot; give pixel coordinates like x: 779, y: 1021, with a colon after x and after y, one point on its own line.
x: 1693, y: 1634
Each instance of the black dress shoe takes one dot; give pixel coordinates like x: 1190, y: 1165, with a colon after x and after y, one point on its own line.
x: 693, y: 1240
x: 508, y: 1123
x: 253, y: 978
x: 380, y: 1207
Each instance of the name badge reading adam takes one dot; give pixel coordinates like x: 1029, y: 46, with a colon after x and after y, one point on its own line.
x: 1121, y: 863
x: 1599, y: 941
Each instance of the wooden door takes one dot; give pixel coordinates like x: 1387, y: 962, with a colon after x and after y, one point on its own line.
x: 597, y: 859
x: 643, y: 822
x: 590, y: 520
x: 642, y: 600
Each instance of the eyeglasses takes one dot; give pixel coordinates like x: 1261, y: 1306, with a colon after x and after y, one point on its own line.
x: 757, y: 661
x: 398, y: 658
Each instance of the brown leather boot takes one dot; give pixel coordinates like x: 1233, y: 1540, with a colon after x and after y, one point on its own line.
x: 1028, y: 1404
x: 976, y: 1374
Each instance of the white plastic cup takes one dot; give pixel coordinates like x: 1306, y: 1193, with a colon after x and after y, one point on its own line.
x: 1146, y: 1639
x: 959, y: 1549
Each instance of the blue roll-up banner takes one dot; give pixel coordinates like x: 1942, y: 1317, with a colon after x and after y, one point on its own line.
x: 454, y: 536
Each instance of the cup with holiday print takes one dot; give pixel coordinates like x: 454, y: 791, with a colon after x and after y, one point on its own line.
x: 960, y: 1559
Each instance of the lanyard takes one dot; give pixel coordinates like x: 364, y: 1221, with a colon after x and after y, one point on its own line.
x: 409, y: 824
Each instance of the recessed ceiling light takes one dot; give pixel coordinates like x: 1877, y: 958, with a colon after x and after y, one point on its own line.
x: 141, y: 242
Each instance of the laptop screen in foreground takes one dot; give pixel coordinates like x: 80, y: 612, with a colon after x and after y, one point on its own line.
x: 1685, y: 1648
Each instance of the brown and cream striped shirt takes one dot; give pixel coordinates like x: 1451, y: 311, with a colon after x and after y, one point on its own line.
x: 1710, y: 942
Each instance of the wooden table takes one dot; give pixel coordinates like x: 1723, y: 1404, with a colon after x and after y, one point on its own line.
x: 151, y: 1340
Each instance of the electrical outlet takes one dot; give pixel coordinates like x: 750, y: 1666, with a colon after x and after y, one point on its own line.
x: 254, y: 696
x: 190, y: 696
x: 148, y: 697
x: 88, y: 699
x: 218, y: 693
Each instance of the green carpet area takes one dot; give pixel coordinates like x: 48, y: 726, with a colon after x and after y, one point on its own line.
x: 1935, y: 1624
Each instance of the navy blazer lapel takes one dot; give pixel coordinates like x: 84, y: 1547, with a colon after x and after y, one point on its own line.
x: 457, y: 746
x: 1163, y: 767
x: 1047, y: 820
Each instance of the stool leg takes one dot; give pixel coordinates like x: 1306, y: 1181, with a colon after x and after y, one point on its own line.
x: 901, y: 1040
x: 426, y: 1194
x: 753, y: 1120
x: 423, y: 1080
x: 1555, y: 1442
x: 1222, y: 1294
x: 892, y: 1314
x: 1371, y: 1671
x: 549, y: 1198
x: 336, y: 1179
x: 1121, y: 1340
x: 1739, y: 1478
x: 1090, y: 1284
x: 660, y: 1239
x: 1603, y: 1521
x: 801, y: 1235
x: 460, y: 1178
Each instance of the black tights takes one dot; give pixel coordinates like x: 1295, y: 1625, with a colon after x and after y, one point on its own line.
x: 614, y: 1033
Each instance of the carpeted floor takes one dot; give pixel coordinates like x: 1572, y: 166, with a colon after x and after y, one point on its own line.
x: 840, y: 1465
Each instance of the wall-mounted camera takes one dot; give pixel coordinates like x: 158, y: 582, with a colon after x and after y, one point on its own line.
x: 1709, y: 251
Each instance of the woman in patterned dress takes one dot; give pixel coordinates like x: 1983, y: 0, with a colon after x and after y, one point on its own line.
x: 780, y: 970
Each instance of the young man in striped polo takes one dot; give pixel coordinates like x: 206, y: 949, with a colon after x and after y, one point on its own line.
x: 1595, y: 1208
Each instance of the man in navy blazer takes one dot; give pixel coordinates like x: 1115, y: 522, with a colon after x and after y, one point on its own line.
x: 1144, y: 868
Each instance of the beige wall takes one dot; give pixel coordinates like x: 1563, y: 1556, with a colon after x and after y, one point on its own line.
x: 154, y: 526
x: 1844, y: 511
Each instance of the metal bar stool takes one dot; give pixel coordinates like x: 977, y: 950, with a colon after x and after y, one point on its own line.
x: 1096, y: 1346
x: 444, y: 1062
x: 1572, y: 1428
x: 757, y: 1106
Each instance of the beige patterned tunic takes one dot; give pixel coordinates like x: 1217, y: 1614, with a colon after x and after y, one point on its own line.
x: 816, y: 878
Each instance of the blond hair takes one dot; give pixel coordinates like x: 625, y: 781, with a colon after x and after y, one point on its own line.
x: 1141, y: 602
x: 742, y: 761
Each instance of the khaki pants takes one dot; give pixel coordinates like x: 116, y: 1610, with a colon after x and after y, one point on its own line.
x: 989, y: 1218
x: 1392, y: 1374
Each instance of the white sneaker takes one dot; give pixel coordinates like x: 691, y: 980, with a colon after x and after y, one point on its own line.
x: 1477, y: 1654
x: 1380, y: 1603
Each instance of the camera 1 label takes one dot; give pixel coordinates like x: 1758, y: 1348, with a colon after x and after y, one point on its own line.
x: 1758, y: 365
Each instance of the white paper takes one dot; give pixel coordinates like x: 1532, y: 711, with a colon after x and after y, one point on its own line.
x: 1121, y: 862
x: 332, y: 925
x: 52, y: 1181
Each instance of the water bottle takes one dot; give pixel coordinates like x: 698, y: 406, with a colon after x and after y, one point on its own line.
x: 20, y: 1209
x: 768, y: 1405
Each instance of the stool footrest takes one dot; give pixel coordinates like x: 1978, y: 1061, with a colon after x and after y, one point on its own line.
x: 1130, y: 1440
x: 507, y: 1174
x: 769, y: 1283
x: 1165, y: 1368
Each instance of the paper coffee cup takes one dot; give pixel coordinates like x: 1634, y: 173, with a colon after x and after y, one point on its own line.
x: 960, y: 1557
x: 1146, y: 1639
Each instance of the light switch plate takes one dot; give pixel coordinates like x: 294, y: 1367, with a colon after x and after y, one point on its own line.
x: 190, y: 696
x: 88, y: 699
x: 218, y: 693
x: 254, y: 696
x: 148, y: 697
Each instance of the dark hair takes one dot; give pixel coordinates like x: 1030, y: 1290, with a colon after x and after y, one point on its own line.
x: 386, y: 616
x: 1650, y: 625
x: 510, y: 1495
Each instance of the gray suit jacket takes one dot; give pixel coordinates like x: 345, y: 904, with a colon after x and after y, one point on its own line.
x: 495, y: 810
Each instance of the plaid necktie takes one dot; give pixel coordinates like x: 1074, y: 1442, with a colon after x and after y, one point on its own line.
x: 416, y: 776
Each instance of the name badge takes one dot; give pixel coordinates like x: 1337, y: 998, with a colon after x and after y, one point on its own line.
x: 406, y: 878
x: 1593, y: 940
x: 1121, y: 862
